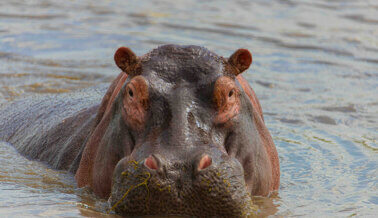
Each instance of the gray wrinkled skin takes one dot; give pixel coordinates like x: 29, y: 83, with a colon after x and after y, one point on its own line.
x: 51, y: 128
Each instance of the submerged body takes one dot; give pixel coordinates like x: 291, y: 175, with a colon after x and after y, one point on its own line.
x: 179, y: 131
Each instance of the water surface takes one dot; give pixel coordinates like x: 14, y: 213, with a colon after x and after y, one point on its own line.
x: 315, y: 71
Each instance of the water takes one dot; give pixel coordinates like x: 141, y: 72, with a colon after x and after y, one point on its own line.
x: 315, y: 71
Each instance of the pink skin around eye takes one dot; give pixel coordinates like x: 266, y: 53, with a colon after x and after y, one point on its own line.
x: 135, y: 103
x: 226, y: 97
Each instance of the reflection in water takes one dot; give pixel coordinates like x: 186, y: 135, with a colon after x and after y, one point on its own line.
x: 315, y: 72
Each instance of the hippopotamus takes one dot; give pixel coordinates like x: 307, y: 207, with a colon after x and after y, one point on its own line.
x: 178, y: 132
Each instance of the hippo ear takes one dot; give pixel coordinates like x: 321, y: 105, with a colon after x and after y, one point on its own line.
x: 126, y: 60
x: 241, y: 60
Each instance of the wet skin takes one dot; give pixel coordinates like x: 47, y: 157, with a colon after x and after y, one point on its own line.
x: 179, y: 131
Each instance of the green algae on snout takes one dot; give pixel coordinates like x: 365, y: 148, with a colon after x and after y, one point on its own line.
x: 144, y: 182
x: 136, y: 191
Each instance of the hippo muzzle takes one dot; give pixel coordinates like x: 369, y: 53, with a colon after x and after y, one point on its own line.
x: 206, y: 184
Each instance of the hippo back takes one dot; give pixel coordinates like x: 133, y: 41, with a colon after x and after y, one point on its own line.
x: 51, y: 128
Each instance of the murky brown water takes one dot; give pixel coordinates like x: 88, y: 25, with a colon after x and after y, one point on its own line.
x: 315, y: 71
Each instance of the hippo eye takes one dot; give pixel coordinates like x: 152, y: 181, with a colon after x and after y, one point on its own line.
x: 226, y: 99
x: 131, y: 93
x: 230, y: 93
x: 135, y: 103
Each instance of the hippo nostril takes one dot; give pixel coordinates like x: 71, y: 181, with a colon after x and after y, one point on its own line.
x: 151, y: 163
x: 204, y: 162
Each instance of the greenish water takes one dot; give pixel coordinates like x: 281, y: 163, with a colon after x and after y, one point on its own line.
x: 315, y: 71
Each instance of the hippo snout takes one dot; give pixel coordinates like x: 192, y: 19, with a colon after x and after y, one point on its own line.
x: 202, y: 185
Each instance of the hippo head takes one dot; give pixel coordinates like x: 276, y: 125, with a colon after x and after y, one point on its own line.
x: 179, y: 133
